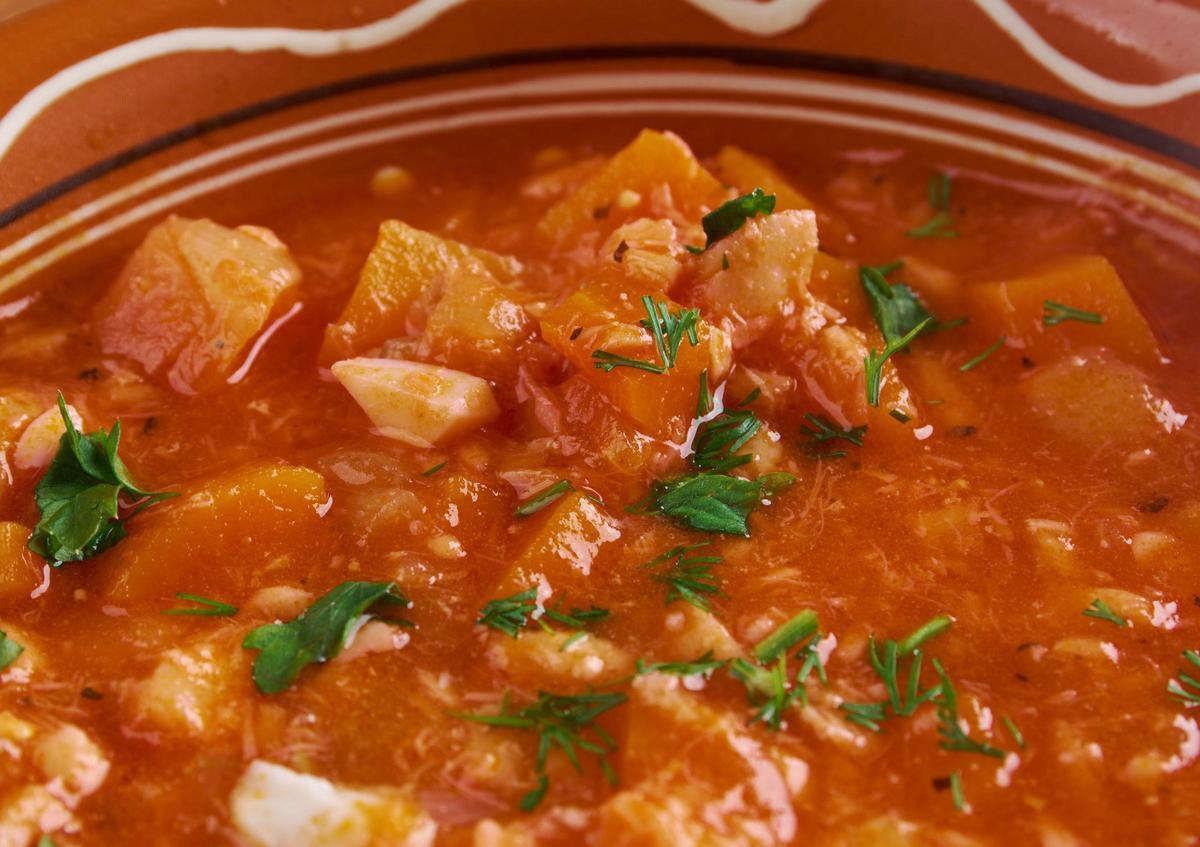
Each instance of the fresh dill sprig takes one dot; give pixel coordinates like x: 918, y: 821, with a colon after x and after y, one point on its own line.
x: 874, y: 360
x: 562, y: 721
x: 1187, y: 688
x: 956, y: 792
x: 1055, y: 313
x: 509, y: 614
x: 1101, y: 611
x: 717, y: 441
x: 954, y: 737
x: 900, y: 702
x: 688, y: 578
x: 667, y: 329
x: 542, y: 498
x: 705, y: 664
x: 941, y: 225
x: 823, y: 430
x: 768, y: 686
x: 976, y: 360
x: 209, y: 608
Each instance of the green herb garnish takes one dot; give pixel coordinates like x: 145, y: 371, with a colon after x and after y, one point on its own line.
x: 1013, y: 731
x: 688, y: 578
x: 975, y: 360
x: 717, y: 440
x: 562, y: 721
x: 730, y: 216
x: 767, y: 684
x: 509, y: 614
x: 873, y: 361
x: 542, y: 498
x: 704, y: 399
x: 1101, y: 611
x: 9, y: 650
x: 667, y: 329
x: 956, y: 792
x: 1187, y: 690
x: 317, y: 635
x: 1055, y: 313
x: 949, y: 728
x: 211, y: 608
x: 79, y: 496
x: 899, y: 703
x: 941, y: 225
x: 705, y: 664
x: 823, y: 430
x: 430, y: 471
x: 711, y: 502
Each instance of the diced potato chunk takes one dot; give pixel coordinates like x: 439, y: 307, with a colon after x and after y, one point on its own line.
x: 72, y: 760
x: 655, y: 174
x: 647, y: 251
x: 190, y: 298
x: 564, y: 542
x: 605, y: 315
x: 1091, y: 398
x: 749, y: 280
x: 195, y: 691
x: 477, y: 324
x: 1013, y: 307
x: 403, y: 264
x: 29, y: 811
x: 746, y: 172
x: 20, y: 569
x: 419, y: 404
x: 273, y: 806
x: 223, y: 529
x: 538, y: 659
x: 683, y: 757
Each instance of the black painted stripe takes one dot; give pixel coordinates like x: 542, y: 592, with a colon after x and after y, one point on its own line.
x: 1041, y: 104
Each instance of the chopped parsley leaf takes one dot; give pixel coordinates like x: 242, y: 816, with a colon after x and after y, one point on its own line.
x: 317, y: 635
x: 1186, y: 690
x: 711, y: 502
x: 1055, y: 313
x: 1101, y: 611
x: 730, y: 216
x: 975, y: 360
x: 210, y: 608
x: 542, y: 498
x: 10, y: 650
x: 563, y: 721
x: 667, y: 329
x: 79, y: 496
x: 688, y: 578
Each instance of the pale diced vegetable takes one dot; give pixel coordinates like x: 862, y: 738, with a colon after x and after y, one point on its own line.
x: 39, y: 442
x: 419, y: 404
x: 273, y: 806
x: 190, y: 298
x: 72, y: 760
x: 758, y: 275
x: 195, y: 691
x: 538, y: 656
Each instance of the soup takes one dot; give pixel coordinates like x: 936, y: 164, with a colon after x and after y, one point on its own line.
x: 797, y: 489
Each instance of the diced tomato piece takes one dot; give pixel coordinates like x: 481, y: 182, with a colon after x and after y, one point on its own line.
x: 1014, y: 307
x: 402, y: 265
x: 190, y: 298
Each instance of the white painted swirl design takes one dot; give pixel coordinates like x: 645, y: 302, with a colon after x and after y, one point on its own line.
x: 767, y: 18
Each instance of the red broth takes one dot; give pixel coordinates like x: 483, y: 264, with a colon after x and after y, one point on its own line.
x: 1055, y: 472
